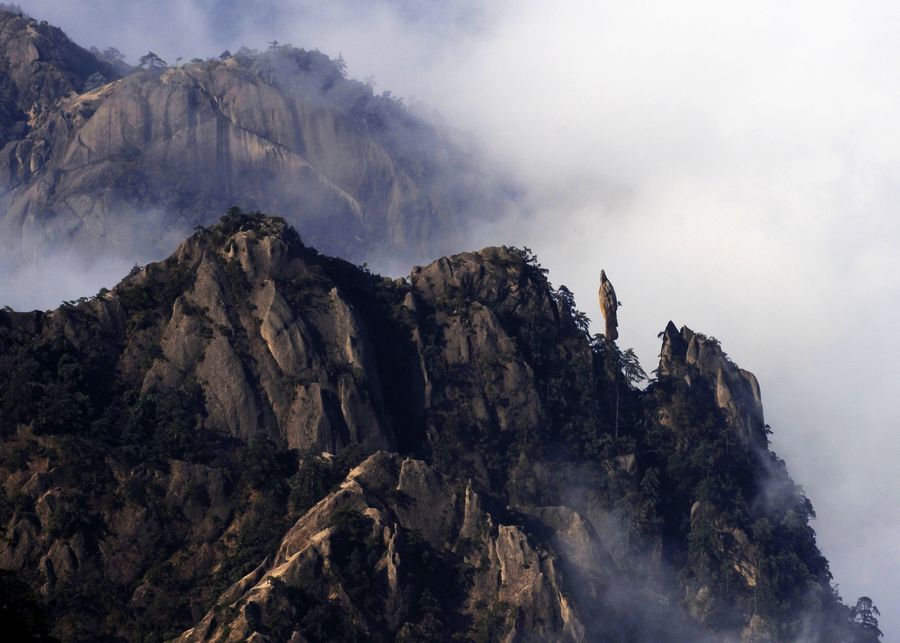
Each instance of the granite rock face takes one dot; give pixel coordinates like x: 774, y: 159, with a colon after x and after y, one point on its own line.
x: 407, y: 505
x: 38, y: 65
x: 305, y: 376
x: 129, y: 165
x: 696, y: 358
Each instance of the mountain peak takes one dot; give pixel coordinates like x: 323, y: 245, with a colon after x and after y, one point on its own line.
x: 237, y: 228
x: 698, y: 359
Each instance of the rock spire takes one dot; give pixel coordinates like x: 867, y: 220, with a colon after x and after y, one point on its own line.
x: 608, y: 305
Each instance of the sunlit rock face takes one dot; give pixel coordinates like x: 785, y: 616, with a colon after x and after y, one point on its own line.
x: 111, y: 163
x: 395, y: 497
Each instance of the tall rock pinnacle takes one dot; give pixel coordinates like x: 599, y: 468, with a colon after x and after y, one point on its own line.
x: 608, y: 305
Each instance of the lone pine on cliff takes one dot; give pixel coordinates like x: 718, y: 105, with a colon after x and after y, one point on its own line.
x: 253, y: 441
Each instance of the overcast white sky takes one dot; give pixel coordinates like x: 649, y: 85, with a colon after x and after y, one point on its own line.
x: 733, y: 167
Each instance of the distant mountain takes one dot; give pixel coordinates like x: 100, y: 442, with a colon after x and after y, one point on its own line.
x: 108, y: 158
x: 250, y: 441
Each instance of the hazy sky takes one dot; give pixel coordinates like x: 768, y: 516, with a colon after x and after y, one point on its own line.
x: 733, y: 167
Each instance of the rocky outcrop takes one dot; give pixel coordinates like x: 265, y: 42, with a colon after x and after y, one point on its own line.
x: 399, y: 500
x: 474, y: 296
x: 302, y: 372
x: 700, y: 360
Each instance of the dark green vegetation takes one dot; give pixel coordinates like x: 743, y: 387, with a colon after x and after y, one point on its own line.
x: 136, y: 498
x: 22, y: 616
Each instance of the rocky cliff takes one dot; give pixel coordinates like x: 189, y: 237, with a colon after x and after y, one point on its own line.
x: 253, y: 441
x: 38, y: 65
x: 111, y: 164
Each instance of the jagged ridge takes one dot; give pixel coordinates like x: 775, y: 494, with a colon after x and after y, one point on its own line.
x: 164, y: 470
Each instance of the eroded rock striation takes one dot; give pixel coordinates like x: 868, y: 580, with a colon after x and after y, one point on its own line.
x: 253, y: 441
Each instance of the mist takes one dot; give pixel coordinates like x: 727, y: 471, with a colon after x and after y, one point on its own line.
x: 731, y: 167
x: 47, y: 271
x: 67, y: 275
